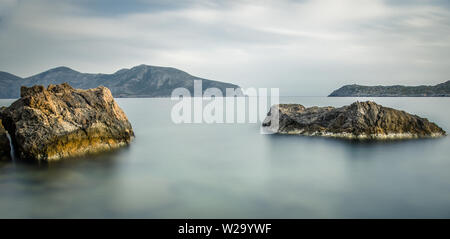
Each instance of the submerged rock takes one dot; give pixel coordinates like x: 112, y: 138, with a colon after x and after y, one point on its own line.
x: 60, y: 122
x: 358, y: 120
x: 5, y: 149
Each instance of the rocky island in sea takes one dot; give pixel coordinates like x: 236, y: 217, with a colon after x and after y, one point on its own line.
x: 360, y: 120
x: 439, y: 90
x: 137, y: 82
x: 60, y: 121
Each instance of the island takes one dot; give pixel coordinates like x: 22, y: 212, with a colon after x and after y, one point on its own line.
x: 360, y: 120
x: 60, y: 122
x: 439, y: 90
x: 143, y: 81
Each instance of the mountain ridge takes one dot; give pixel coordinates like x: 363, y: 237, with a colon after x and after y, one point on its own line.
x: 140, y: 81
x: 354, y: 90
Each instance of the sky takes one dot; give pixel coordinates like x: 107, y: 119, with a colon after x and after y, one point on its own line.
x: 302, y: 47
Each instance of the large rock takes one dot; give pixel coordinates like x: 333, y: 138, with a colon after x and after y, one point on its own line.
x: 358, y: 120
x: 60, y: 122
x: 5, y: 150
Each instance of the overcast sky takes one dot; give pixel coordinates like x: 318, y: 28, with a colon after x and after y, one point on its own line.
x: 302, y: 47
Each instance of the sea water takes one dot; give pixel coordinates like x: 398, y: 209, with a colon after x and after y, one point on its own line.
x: 232, y: 171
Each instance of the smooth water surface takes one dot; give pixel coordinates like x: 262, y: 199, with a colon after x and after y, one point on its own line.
x: 233, y: 171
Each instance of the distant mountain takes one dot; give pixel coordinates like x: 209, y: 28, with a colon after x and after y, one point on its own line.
x: 139, y: 81
x: 8, y: 85
x: 438, y: 90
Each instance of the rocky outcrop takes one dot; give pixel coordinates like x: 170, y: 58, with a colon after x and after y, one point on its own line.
x: 360, y: 120
x: 5, y: 149
x: 60, y: 122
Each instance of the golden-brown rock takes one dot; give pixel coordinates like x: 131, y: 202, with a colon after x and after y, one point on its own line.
x: 60, y: 122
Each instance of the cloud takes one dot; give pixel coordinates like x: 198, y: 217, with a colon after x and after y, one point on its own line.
x: 302, y: 47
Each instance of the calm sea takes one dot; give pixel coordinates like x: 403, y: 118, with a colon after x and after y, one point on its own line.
x: 232, y: 171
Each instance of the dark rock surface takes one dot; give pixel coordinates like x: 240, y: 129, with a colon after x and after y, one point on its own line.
x: 60, y: 122
x: 358, y: 120
x: 139, y: 81
x: 439, y: 90
x: 5, y: 149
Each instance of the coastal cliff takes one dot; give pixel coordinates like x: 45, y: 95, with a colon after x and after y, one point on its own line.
x: 439, y: 90
x: 60, y: 122
x: 361, y: 120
